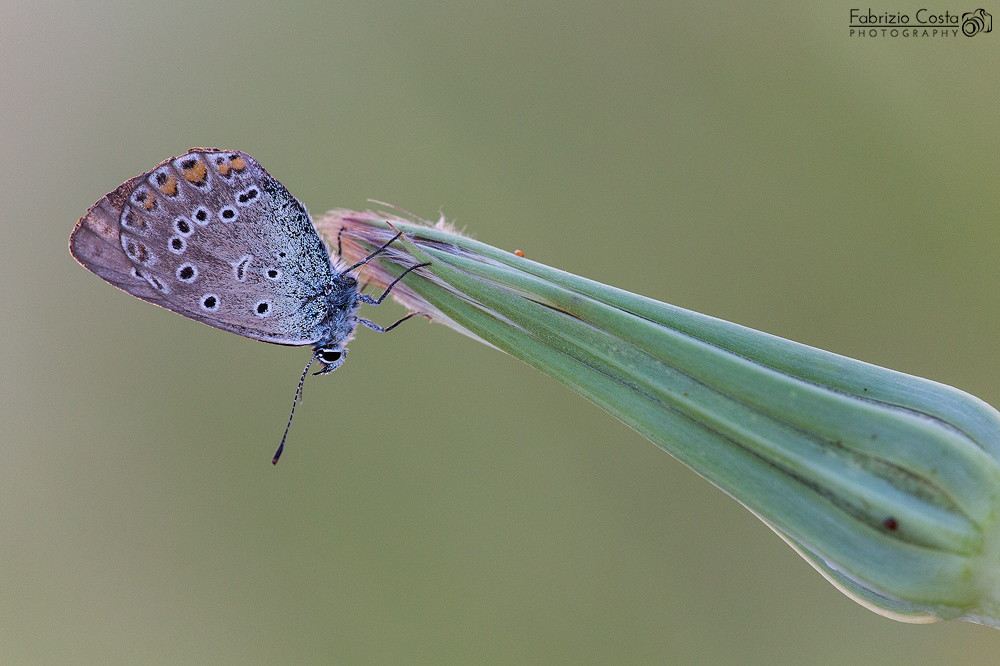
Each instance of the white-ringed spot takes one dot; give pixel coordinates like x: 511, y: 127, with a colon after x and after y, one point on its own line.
x: 209, y: 302
x: 187, y: 273
x: 228, y: 214
x: 247, y: 196
x: 240, y: 267
x: 182, y: 225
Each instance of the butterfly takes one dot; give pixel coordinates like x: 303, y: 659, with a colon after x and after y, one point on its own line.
x: 213, y: 236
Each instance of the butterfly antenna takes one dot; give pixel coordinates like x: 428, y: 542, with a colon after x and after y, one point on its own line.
x: 340, y: 233
x: 295, y: 401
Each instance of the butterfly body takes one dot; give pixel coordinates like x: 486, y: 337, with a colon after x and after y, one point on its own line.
x: 212, y: 236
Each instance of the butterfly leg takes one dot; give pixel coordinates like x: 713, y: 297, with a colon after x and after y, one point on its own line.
x: 375, y: 327
x: 364, y: 298
x: 370, y: 256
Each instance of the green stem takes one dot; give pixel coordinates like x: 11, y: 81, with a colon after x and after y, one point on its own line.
x: 888, y: 484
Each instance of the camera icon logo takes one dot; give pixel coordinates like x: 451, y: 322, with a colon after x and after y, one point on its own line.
x: 976, y: 22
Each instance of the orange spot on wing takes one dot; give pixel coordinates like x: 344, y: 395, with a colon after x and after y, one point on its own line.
x: 518, y: 253
x: 169, y: 186
x: 238, y: 163
x: 145, y: 200
x: 194, y: 173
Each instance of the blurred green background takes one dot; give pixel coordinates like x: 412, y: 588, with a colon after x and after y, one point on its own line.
x: 439, y: 502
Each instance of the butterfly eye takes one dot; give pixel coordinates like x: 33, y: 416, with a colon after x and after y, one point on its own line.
x: 330, y: 356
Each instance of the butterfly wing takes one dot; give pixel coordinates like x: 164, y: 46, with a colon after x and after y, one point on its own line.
x: 212, y: 236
